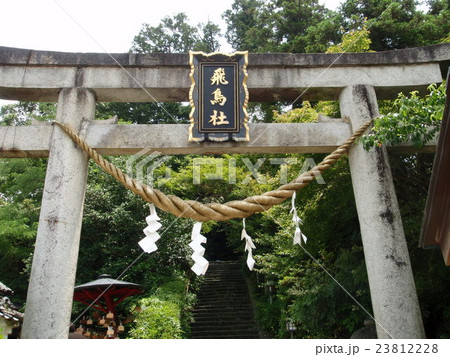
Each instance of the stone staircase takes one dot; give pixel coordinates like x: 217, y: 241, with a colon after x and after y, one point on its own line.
x: 224, y: 308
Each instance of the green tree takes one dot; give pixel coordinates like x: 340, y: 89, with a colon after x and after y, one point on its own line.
x: 145, y: 113
x: 295, y: 22
x: 166, y: 312
x: 175, y: 35
x: 353, y: 41
x: 23, y: 112
x: 410, y: 118
x: 301, y: 290
x: 250, y: 26
x: 172, y: 35
x: 21, y: 184
x: 281, y: 26
x: 210, y: 38
x: 398, y: 24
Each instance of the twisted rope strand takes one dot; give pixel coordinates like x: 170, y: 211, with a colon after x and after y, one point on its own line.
x: 215, y: 211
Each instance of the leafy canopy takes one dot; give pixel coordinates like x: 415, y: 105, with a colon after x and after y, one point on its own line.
x: 411, y: 118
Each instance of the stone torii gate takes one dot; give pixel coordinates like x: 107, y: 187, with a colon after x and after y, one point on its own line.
x: 77, y: 81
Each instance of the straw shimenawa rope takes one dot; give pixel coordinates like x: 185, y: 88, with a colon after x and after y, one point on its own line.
x: 215, y: 211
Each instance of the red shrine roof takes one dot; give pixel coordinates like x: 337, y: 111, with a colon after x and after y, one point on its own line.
x: 105, y: 293
x: 104, y: 281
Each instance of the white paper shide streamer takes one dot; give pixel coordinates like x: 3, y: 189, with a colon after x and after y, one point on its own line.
x: 248, y: 246
x: 151, y: 236
x: 298, y: 235
x: 201, y: 264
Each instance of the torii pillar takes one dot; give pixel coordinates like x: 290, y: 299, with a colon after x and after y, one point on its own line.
x: 392, y: 288
x: 50, y: 291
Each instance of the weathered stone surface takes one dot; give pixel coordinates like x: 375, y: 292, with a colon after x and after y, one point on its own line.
x: 394, y: 298
x: 165, y: 77
x: 172, y: 139
x: 50, y: 291
x: 19, y: 56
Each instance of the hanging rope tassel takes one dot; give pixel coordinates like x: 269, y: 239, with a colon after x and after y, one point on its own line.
x: 201, y: 264
x: 298, y: 235
x: 151, y: 236
x: 248, y: 246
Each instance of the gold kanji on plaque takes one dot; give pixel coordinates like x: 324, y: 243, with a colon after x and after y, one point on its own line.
x: 218, y: 120
x: 219, y: 77
x: 219, y: 98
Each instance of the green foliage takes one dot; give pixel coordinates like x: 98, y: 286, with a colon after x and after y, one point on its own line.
x: 280, y: 26
x: 307, y: 26
x: 398, y: 24
x: 294, y: 23
x: 353, y: 41
x: 145, y: 113
x: 160, y: 319
x: 249, y: 26
x: 308, y: 113
x: 175, y: 35
x: 209, y: 40
x: 411, y: 118
x: 22, y: 112
x: 165, y: 312
x: 22, y: 179
x: 18, y: 226
x: 304, y: 292
x: 21, y: 184
x: 112, y: 226
x: 305, y: 114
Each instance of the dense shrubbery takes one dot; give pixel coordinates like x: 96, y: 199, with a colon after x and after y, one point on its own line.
x: 409, y: 118
x: 165, y: 313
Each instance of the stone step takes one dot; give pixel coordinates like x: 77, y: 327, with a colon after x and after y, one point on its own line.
x: 218, y: 314
x: 230, y: 291
x: 223, y: 286
x: 230, y: 296
x: 226, y: 335
x: 223, y: 308
x: 219, y: 306
x: 207, y: 319
x: 235, y: 288
x: 215, y: 324
x: 229, y: 332
x: 224, y: 328
x: 234, y: 276
x: 223, y: 280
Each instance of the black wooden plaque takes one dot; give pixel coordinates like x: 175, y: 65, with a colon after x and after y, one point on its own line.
x: 218, y: 97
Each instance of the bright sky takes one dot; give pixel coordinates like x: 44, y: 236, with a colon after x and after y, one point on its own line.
x: 96, y: 25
